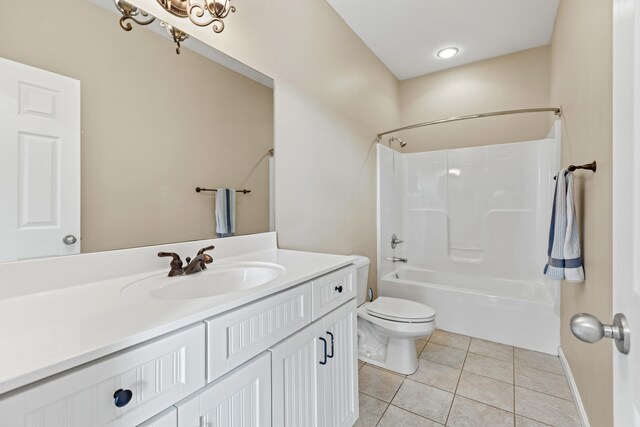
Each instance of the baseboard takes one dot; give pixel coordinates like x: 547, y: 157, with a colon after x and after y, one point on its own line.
x: 574, y: 388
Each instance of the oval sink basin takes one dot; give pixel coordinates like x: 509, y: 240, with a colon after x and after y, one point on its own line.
x: 215, y: 280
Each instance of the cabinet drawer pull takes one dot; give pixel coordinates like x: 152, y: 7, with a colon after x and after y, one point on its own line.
x: 324, y: 343
x: 122, y: 397
x: 330, y: 356
x: 339, y: 289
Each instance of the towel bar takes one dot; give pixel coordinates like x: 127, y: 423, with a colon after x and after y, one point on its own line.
x: 199, y: 189
x: 589, y: 166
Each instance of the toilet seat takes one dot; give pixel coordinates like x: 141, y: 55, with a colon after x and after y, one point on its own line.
x: 400, y: 310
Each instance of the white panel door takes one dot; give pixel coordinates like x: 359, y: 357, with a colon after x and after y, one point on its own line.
x: 626, y: 206
x: 341, y: 371
x: 241, y: 398
x: 39, y: 162
x: 297, y: 378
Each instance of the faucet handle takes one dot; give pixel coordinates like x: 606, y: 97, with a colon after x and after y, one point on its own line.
x: 208, y: 259
x: 174, y: 255
x: 176, y: 263
x: 208, y: 248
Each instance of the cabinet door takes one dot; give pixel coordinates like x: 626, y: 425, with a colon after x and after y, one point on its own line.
x: 242, y: 398
x: 340, y: 373
x: 297, y: 379
x: 167, y: 418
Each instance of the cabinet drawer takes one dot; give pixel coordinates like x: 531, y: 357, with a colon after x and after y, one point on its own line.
x: 332, y: 290
x: 237, y: 336
x: 241, y: 398
x: 158, y: 374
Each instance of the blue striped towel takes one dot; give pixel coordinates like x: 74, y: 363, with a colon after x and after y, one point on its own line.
x: 225, y: 212
x: 565, y: 261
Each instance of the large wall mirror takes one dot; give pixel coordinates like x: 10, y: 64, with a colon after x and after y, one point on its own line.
x: 105, y: 134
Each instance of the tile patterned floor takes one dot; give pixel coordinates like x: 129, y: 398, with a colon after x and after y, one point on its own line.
x: 468, y: 382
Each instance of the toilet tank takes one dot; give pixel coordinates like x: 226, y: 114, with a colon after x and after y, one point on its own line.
x: 362, y: 278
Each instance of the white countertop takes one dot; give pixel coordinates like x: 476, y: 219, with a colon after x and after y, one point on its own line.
x: 48, y: 332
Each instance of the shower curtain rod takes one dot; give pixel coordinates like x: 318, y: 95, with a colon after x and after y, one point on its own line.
x: 557, y: 111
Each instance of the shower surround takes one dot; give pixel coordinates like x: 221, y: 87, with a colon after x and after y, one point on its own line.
x: 474, y: 223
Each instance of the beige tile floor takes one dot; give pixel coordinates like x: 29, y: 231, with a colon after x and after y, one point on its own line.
x: 468, y: 382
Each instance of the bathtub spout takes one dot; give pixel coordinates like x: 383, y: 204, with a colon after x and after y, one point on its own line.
x: 397, y: 259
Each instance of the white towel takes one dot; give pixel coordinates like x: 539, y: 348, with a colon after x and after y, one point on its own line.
x: 225, y: 212
x: 565, y: 261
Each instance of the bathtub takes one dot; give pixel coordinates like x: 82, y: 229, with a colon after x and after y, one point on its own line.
x: 519, y: 313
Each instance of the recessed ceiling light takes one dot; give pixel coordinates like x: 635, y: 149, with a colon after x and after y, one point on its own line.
x: 448, y: 52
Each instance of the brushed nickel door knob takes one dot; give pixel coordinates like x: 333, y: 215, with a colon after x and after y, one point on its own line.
x: 588, y: 328
x: 69, y: 239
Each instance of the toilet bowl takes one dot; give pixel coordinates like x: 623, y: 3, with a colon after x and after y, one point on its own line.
x: 389, y: 327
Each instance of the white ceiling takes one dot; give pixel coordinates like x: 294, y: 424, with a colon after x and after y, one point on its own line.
x: 407, y: 34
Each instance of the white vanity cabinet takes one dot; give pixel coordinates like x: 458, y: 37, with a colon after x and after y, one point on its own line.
x: 315, y: 373
x: 148, y: 379
x: 241, y: 398
x: 288, y: 359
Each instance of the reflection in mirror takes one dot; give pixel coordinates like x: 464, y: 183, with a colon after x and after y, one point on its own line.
x: 106, y: 134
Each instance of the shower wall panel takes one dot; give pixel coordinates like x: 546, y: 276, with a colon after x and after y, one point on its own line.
x: 482, y: 210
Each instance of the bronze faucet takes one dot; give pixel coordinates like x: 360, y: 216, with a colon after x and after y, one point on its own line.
x: 199, y: 263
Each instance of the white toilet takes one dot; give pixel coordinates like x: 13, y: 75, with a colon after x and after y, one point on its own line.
x: 388, y: 327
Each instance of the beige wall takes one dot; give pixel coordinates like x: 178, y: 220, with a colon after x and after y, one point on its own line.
x: 332, y: 95
x: 155, y: 125
x: 581, y: 71
x: 518, y: 80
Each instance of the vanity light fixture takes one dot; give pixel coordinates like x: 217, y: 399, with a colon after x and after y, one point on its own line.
x: 201, y: 12
x: 195, y: 10
x: 448, y: 52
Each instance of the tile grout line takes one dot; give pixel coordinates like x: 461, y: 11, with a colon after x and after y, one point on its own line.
x: 414, y: 413
x: 382, y: 416
x: 455, y: 391
x: 515, y: 417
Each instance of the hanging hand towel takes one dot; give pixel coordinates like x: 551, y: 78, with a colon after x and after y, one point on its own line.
x: 225, y: 212
x: 565, y: 262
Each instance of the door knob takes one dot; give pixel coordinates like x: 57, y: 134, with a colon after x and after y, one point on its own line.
x: 586, y: 327
x: 69, y: 239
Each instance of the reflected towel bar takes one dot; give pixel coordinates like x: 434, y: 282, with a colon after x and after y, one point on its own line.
x: 199, y: 189
x: 589, y: 166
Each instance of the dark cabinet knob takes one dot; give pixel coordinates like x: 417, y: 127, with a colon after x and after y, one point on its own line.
x: 339, y: 289
x: 122, y: 397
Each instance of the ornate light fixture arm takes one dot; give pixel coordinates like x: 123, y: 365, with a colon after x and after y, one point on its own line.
x: 130, y: 13
x: 218, y: 10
